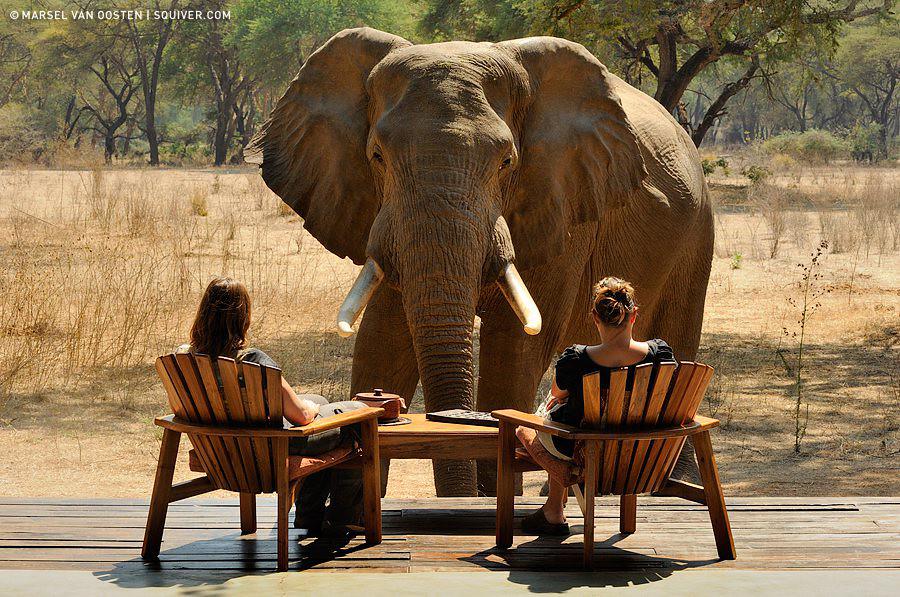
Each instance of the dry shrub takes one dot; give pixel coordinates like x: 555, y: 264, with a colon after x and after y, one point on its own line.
x: 797, y: 225
x: 721, y: 395
x: 200, y: 202
x: 139, y: 211
x: 727, y: 241
x: 102, y: 204
x: 835, y: 227
x: 875, y: 211
x: 110, y: 277
x: 771, y: 202
x: 780, y: 163
x: 264, y: 199
x: 28, y: 309
x: 857, y: 213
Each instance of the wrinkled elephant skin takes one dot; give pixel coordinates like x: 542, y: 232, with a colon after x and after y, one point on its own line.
x: 440, y: 165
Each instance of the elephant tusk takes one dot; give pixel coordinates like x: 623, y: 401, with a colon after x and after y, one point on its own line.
x: 520, y: 300
x: 363, y: 288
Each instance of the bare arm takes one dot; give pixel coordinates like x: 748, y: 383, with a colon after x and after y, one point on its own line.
x: 296, y: 410
x: 557, y: 396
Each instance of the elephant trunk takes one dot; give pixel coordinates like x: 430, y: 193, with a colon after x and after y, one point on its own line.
x: 440, y: 284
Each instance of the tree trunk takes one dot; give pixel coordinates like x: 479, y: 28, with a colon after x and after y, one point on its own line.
x: 220, y: 141
x: 109, y: 146
x: 717, y: 108
x: 150, y: 127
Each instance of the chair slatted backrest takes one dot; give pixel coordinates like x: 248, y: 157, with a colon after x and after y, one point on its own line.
x: 661, y: 395
x: 198, y: 395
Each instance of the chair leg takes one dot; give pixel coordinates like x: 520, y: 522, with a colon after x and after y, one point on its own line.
x: 248, y: 513
x: 627, y: 514
x: 162, y: 487
x: 371, y: 482
x: 591, y: 473
x: 579, y: 496
x: 506, y: 484
x: 284, y: 500
x: 715, y: 500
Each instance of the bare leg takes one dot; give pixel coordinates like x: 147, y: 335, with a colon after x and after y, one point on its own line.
x: 554, y: 507
x: 511, y: 363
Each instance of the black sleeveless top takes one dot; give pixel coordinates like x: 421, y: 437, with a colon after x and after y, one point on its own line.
x: 574, y: 363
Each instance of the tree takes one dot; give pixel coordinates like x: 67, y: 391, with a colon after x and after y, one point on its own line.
x: 119, y: 83
x: 868, y: 65
x: 671, y: 42
x: 102, y: 52
x: 15, y: 60
x: 244, y: 64
x: 208, y: 65
x: 150, y: 39
x: 276, y: 37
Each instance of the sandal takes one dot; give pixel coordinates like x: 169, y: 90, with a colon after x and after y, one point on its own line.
x: 537, y: 524
x: 311, y: 526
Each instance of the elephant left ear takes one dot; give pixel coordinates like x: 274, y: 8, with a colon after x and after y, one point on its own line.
x: 580, y: 155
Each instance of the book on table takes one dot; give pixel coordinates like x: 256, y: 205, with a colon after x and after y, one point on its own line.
x: 464, y: 417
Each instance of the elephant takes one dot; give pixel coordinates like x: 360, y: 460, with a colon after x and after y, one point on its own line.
x: 489, y: 180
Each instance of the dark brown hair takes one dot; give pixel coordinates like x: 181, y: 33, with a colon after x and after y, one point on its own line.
x: 220, y: 327
x: 613, y: 301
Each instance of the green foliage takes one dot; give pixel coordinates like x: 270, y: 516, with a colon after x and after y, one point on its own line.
x: 865, y: 141
x: 736, y: 261
x: 19, y: 140
x: 227, y: 74
x: 275, y: 37
x: 813, y: 146
x: 710, y: 165
x: 868, y: 65
x: 755, y: 173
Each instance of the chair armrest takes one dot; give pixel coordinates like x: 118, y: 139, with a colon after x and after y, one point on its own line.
x: 348, y: 418
x: 706, y: 422
x: 562, y: 430
x: 356, y: 416
x: 536, y: 422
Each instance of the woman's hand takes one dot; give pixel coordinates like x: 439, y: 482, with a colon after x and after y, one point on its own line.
x: 557, y: 396
x: 554, y: 400
x: 296, y: 410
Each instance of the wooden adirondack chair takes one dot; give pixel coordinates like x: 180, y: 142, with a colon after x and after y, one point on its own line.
x: 234, y: 422
x: 631, y: 441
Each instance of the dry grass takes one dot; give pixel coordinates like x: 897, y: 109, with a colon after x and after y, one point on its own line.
x: 104, y: 269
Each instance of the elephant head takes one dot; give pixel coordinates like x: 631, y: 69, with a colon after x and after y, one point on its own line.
x: 442, y: 169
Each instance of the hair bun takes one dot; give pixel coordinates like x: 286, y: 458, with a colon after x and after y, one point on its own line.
x: 613, y: 300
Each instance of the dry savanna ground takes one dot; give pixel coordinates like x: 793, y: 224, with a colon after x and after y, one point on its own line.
x: 103, y: 270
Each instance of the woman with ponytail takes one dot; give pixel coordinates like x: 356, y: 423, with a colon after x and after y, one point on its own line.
x: 614, y: 312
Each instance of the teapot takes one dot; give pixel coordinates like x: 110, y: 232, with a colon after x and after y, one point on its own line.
x: 392, y: 404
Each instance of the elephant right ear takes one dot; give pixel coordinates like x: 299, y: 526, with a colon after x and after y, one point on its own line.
x: 312, y: 149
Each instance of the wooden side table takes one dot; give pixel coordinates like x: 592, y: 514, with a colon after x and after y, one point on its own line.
x: 424, y: 439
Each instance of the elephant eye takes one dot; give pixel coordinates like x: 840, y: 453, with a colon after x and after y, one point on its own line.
x: 505, y: 163
x: 376, y: 155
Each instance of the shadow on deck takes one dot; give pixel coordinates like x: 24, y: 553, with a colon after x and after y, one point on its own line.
x: 203, y: 548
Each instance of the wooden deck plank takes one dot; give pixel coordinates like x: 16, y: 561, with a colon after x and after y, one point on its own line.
x: 453, y: 534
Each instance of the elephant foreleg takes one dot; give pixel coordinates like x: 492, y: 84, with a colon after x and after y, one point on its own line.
x: 677, y: 316
x: 511, y: 363
x: 383, y: 356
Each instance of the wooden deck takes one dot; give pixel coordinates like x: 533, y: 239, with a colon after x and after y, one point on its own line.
x: 104, y: 536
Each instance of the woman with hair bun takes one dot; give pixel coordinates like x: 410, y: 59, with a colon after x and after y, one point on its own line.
x: 614, y: 311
